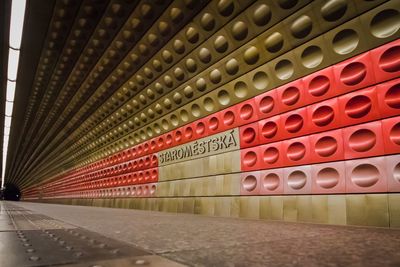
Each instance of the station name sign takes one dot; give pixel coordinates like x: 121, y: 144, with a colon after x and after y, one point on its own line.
x: 208, y: 146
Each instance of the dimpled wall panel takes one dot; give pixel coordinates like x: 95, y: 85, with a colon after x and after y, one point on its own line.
x: 267, y: 108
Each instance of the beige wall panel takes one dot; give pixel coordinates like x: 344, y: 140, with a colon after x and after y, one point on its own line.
x: 394, y: 210
x: 264, y: 207
x: 214, y: 165
x: 218, y: 185
x: 337, y: 209
x: 369, y: 210
x: 290, y: 211
x: 188, y: 205
x: 305, y: 209
x: 379, y: 210
x: 223, y: 207
x: 319, y: 208
x: 249, y: 207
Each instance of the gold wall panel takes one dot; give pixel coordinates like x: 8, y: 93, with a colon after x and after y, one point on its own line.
x: 381, y: 24
x: 394, y: 210
x: 365, y: 5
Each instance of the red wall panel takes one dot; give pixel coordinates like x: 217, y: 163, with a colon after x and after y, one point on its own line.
x: 354, y: 73
x: 328, y: 178
x: 364, y: 140
x: 386, y: 61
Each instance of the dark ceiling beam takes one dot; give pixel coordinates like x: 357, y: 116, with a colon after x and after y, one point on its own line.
x: 37, y: 17
x: 5, y: 8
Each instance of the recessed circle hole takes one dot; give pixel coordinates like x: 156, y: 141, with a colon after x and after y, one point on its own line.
x: 301, y: 27
x: 271, y: 181
x: 297, y: 180
x: 284, y: 69
x: 319, y: 85
x: 266, y: 104
x: 296, y: 151
x: 365, y: 175
x: 269, y: 129
x: 312, y: 56
x: 249, y: 134
x: 200, y: 128
x: 392, y: 96
x: 262, y: 15
x: 353, y: 73
x: 249, y: 183
x: 223, y: 97
x: 229, y: 118
x: 345, y: 41
x: 274, y: 42
x: 240, y: 89
x: 390, y: 59
x: 246, y: 112
x: 396, y: 173
x: 326, y: 146
x: 260, y: 80
x: 333, y: 10
x: 358, y: 106
x: 327, y: 178
x: 395, y: 134
x: 294, y: 123
x: 385, y: 23
x: 213, y: 124
x: 271, y: 155
x: 290, y: 96
x: 362, y: 140
x: 323, y: 115
x: 250, y: 159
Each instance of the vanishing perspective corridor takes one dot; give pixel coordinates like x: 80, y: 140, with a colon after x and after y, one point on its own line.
x: 200, y: 133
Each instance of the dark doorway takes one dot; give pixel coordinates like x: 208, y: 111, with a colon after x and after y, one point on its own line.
x: 11, y: 192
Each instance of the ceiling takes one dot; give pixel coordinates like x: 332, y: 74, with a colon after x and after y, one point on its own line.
x: 61, y: 45
x: 3, y: 64
x: 37, y: 17
x: 75, y: 79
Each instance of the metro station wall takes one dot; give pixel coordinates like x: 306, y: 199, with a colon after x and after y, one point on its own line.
x: 291, y: 111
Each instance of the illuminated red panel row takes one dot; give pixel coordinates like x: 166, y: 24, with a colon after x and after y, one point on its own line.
x: 121, y: 158
x: 369, y: 175
x: 147, y: 190
x: 143, y: 176
x: 140, y: 177
x: 353, y: 108
x: 149, y: 161
x: 363, y: 140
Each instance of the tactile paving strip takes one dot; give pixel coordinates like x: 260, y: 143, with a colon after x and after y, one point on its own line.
x: 37, y: 222
x: 28, y: 239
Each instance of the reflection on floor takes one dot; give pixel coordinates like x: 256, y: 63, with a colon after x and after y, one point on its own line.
x: 208, y: 241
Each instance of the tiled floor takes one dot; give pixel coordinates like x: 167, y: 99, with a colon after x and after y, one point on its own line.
x: 31, y: 239
x: 208, y: 241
